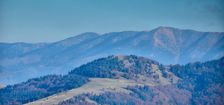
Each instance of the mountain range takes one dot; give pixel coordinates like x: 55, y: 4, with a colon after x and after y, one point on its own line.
x: 124, y: 80
x: 20, y: 61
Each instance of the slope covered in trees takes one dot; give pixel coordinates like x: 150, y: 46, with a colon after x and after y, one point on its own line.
x: 129, y: 67
x: 37, y: 88
x: 204, y: 80
x: 199, y: 84
x: 140, y: 95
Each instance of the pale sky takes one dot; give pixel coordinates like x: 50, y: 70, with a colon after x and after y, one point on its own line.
x: 52, y: 20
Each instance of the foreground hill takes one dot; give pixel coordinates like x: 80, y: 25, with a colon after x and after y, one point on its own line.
x: 20, y: 61
x: 124, y: 80
x: 198, y: 84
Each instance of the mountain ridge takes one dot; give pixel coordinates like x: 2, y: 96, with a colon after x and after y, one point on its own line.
x: 159, y: 27
x: 174, y: 46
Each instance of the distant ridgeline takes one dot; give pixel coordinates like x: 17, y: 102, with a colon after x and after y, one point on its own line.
x: 193, y: 83
x: 166, y: 45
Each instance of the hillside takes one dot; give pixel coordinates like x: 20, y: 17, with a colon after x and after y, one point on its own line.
x: 37, y: 88
x: 130, y: 67
x: 119, y: 79
x: 199, y: 84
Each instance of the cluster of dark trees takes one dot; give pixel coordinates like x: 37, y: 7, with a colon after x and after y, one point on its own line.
x: 100, y: 68
x: 37, y: 88
x: 204, y: 80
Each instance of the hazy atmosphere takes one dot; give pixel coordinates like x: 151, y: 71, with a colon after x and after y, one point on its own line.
x: 53, y: 20
x: 111, y: 52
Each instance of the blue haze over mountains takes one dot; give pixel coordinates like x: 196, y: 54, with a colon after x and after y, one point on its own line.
x: 20, y: 61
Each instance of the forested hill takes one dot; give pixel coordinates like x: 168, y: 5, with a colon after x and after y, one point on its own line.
x: 194, y: 83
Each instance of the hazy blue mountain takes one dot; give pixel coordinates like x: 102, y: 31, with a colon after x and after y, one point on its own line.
x: 167, y: 45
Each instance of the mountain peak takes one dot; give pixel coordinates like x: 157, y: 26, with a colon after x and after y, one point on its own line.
x: 89, y: 34
x: 165, y: 28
